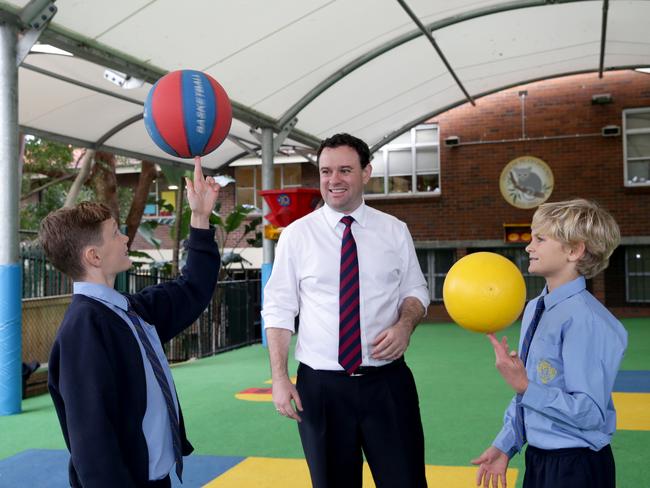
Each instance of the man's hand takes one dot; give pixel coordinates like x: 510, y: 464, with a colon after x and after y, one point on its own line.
x: 391, y: 343
x: 202, y: 196
x: 492, y: 464
x: 283, y: 392
x: 509, y: 364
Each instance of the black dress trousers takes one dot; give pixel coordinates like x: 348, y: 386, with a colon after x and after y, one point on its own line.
x: 376, y: 413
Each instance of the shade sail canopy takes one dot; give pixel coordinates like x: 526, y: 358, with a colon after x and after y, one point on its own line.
x: 359, y: 66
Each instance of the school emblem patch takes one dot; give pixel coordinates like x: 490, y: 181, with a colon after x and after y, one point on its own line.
x: 545, y: 371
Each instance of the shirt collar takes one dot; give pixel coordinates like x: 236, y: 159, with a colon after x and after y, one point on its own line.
x: 333, y: 217
x: 563, y: 292
x: 101, y: 292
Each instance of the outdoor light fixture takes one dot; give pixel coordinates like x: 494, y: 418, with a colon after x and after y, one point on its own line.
x: 601, y: 99
x: 452, y: 141
x: 172, y: 187
x: 122, y: 80
x: 610, y: 131
x: 48, y: 49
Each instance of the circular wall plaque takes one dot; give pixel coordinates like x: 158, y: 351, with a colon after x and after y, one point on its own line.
x: 526, y: 182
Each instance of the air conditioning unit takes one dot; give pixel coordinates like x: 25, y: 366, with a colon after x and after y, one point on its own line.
x: 601, y: 99
x: 610, y: 131
x: 452, y: 141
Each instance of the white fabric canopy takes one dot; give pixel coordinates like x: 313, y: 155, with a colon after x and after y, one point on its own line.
x: 360, y: 66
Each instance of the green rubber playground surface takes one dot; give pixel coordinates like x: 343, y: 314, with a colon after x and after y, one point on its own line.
x: 462, y: 399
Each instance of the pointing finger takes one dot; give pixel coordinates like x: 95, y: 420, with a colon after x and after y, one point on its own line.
x: 198, y: 172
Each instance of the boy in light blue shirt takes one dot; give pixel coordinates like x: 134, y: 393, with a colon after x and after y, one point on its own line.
x: 571, y: 347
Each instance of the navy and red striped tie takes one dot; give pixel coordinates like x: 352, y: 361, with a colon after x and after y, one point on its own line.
x: 349, y: 318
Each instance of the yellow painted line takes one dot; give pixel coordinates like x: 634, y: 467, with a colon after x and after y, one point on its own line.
x: 292, y: 379
x: 256, y: 472
x: 632, y: 411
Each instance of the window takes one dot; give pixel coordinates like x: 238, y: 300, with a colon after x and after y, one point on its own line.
x: 637, y: 273
x: 408, y: 165
x: 435, y: 264
x: 161, y: 200
x: 249, y: 181
x: 636, y: 146
x: 151, y: 207
x: 519, y: 256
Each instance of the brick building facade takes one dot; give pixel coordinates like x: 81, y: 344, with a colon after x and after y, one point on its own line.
x: 562, y: 127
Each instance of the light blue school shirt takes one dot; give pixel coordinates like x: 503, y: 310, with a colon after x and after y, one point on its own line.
x: 155, y: 424
x: 572, y: 364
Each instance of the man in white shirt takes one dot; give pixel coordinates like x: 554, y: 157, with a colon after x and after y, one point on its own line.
x: 351, y: 274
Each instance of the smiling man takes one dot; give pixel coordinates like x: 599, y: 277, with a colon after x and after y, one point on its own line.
x: 350, y: 273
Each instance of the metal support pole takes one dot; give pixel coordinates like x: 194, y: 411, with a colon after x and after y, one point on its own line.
x: 10, y: 272
x: 268, y: 246
x: 603, y: 38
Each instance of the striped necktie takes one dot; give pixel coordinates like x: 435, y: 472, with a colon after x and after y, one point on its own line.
x: 159, y: 373
x: 349, y: 320
x: 520, y: 429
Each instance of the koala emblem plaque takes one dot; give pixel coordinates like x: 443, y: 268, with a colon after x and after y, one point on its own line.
x: 526, y: 182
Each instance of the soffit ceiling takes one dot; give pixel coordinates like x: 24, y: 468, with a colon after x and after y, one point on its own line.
x: 358, y: 66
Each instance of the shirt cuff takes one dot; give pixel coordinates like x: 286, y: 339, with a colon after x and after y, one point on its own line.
x: 504, y: 444
x: 421, y: 296
x: 273, y: 321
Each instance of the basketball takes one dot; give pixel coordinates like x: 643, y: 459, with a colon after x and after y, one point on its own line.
x: 187, y: 113
x: 484, y: 292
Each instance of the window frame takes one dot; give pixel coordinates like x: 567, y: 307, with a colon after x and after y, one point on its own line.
x: 431, y: 276
x: 412, y: 147
x: 629, y: 249
x: 626, y: 159
x: 257, y: 184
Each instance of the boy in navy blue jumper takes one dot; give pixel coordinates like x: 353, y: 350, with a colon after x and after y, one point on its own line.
x: 571, y: 347
x: 108, y: 376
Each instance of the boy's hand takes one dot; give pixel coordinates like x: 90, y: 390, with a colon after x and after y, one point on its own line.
x: 202, y: 196
x: 509, y: 364
x: 493, y: 464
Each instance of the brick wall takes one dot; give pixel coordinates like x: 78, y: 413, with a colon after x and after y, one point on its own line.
x: 470, y: 205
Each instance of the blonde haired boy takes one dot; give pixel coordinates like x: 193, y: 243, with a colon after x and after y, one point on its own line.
x: 570, y: 347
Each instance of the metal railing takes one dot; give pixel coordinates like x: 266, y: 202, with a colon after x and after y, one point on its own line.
x: 231, y: 320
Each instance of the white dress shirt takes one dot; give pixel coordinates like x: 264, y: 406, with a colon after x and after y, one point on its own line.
x: 305, y: 281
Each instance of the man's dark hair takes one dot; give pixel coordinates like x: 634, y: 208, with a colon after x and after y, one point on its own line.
x: 338, y: 140
x: 65, y: 232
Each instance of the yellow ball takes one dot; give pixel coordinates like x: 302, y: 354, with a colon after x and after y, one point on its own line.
x: 484, y: 292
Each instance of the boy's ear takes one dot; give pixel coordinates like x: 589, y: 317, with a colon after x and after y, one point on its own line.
x: 90, y: 257
x: 577, y: 251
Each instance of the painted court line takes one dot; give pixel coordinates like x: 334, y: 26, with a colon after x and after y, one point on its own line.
x: 632, y: 382
x: 261, y: 472
x: 632, y: 410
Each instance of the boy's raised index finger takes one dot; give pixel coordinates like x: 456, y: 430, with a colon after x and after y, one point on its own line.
x: 198, y: 171
x: 498, y: 347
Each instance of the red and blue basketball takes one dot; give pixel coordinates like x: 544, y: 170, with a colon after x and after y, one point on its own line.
x: 187, y: 113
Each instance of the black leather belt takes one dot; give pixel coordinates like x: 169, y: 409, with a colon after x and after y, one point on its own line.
x: 365, y: 370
